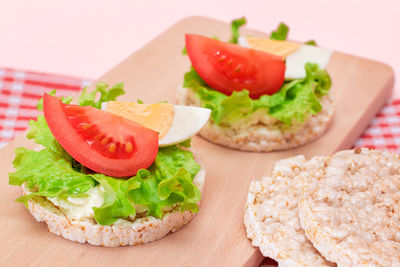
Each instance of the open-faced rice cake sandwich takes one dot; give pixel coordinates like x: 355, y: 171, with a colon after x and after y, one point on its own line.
x: 124, y: 175
x: 265, y: 93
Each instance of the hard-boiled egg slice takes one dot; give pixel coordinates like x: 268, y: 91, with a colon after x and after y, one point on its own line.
x: 187, y: 122
x: 296, y: 55
x: 174, y: 123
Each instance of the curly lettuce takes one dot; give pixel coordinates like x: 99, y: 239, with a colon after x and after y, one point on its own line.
x: 295, y: 101
x: 311, y: 42
x: 280, y: 33
x: 235, y: 25
x: 52, y: 172
x: 110, y: 94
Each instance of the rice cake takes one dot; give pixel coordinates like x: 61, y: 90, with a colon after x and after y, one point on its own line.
x: 271, y: 216
x: 352, y: 213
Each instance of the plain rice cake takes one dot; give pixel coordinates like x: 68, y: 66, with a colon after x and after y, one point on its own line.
x: 271, y: 216
x: 351, y: 210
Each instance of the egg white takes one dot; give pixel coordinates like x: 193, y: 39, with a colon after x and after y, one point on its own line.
x: 186, y: 123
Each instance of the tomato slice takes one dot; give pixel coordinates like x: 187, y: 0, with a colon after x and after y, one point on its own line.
x: 101, y: 141
x: 229, y: 67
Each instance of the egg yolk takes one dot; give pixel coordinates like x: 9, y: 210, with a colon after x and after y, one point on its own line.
x: 276, y: 47
x: 158, y: 117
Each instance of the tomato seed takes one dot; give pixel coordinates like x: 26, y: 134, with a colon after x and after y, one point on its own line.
x: 128, y: 147
x: 104, y: 141
x: 86, y: 126
x: 112, y: 147
x: 98, y: 137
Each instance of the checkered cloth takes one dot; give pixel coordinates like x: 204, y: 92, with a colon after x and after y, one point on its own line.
x: 384, y: 130
x: 19, y: 94
x: 20, y: 91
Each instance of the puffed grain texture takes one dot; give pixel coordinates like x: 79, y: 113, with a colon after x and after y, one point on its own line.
x: 271, y: 216
x: 351, y: 211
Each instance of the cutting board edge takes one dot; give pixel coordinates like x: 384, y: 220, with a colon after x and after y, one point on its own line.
x: 374, y: 107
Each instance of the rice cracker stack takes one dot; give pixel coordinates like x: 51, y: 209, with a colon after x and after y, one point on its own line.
x: 343, y: 208
x: 351, y: 210
x: 271, y: 216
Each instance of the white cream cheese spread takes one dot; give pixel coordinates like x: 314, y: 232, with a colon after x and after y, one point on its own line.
x: 81, y: 208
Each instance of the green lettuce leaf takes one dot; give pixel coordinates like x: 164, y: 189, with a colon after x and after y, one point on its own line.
x: 180, y: 189
x: 41, y: 134
x: 235, y: 25
x: 110, y: 94
x: 295, y: 101
x: 171, y: 159
x: 311, y: 42
x: 52, y: 172
x: 184, y: 51
x: 116, y: 204
x: 280, y: 33
x: 186, y: 143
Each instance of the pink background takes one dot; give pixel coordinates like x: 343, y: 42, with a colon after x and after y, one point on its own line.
x: 85, y: 38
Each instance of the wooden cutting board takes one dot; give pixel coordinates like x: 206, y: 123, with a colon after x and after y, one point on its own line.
x: 216, y: 236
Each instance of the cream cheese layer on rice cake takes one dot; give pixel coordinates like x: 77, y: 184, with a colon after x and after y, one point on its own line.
x: 271, y: 216
x: 351, y: 209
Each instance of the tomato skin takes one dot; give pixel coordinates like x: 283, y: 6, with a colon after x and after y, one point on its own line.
x: 99, y: 139
x: 229, y: 67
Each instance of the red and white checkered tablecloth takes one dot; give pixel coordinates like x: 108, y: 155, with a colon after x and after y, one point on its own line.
x: 20, y: 91
x: 19, y: 94
x: 384, y: 130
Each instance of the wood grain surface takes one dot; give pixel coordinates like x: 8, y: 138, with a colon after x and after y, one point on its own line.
x: 216, y: 236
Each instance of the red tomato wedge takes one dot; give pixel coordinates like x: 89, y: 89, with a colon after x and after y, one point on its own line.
x: 229, y: 67
x: 101, y: 141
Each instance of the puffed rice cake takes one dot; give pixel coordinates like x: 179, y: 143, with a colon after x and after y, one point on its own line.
x: 271, y: 216
x: 351, y: 209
